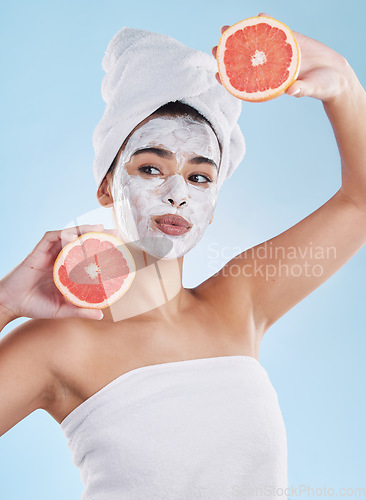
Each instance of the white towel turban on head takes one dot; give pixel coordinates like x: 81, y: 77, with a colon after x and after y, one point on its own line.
x: 145, y: 70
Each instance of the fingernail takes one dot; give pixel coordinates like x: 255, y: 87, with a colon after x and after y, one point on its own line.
x: 98, y: 315
x: 297, y: 92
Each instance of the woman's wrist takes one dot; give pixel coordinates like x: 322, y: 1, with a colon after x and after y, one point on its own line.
x: 6, y: 317
x: 349, y: 89
x: 6, y: 314
x: 347, y: 107
x: 346, y: 112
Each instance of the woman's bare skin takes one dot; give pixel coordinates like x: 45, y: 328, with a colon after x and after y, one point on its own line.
x: 99, y: 352
x: 63, y: 355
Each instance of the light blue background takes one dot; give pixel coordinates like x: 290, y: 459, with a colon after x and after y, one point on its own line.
x: 51, y: 74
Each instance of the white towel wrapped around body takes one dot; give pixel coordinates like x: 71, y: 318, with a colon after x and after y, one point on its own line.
x: 206, y: 428
x: 145, y: 70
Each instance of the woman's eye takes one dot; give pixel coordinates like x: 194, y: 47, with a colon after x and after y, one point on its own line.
x: 148, y: 169
x: 199, y: 178
x: 153, y: 171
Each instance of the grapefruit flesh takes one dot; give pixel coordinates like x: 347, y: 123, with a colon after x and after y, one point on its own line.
x: 94, y: 270
x: 258, y: 59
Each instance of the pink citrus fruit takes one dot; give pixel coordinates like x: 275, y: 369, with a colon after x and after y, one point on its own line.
x: 258, y: 59
x: 94, y: 270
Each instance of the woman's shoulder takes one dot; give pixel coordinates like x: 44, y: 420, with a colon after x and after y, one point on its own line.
x: 60, y: 340
x: 51, y: 331
x: 55, y: 330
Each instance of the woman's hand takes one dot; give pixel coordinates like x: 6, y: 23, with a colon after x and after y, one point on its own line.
x: 29, y: 290
x: 324, y: 74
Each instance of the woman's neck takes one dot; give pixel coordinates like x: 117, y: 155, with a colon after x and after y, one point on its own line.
x: 156, y: 290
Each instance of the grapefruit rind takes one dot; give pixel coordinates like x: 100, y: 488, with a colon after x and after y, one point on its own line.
x: 293, y: 69
x: 79, y: 241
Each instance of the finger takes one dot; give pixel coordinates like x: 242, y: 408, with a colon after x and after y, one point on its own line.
x: 306, y: 88
x: 218, y: 78
x: 113, y: 232
x: 54, y: 235
x: 263, y: 14
x: 52, y: 241
x: 95, y: 314
x: 296, y: 90
x: 214, y: 51
x: 79, y: 230
x: 72, y: 311
x: 66, y: 235
x: 70, y: 234
x: 224, y: 28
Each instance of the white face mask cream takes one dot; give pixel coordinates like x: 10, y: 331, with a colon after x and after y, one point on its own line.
x: 146, y: 206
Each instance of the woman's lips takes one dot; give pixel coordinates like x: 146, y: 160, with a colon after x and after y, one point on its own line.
x: 172, y: 224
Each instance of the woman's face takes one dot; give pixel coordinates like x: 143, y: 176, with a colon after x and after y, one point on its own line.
x: 164, y: 186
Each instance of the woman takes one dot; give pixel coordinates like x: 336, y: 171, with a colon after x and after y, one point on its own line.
x: 165, y: 397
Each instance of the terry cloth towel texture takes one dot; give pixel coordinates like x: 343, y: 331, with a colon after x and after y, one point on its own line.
x: 145, y: 70
x: 207, y: 429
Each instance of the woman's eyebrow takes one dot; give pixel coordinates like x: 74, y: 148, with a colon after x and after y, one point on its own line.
x: 163, y: 153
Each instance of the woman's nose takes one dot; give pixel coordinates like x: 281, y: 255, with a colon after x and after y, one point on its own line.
x: 177, y: 203
x: 175, y: 191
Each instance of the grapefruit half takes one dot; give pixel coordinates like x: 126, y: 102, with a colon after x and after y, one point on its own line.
x: 258, y: 59
x: 94, y: 270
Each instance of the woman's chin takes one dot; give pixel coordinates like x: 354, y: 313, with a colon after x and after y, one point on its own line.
x: 164, y: 247
x: 160, y: 244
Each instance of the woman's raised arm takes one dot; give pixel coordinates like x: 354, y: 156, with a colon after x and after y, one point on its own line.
x: 282, y: 271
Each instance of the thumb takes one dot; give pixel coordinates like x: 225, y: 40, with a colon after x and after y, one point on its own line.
x: 307, y: 87
x: 297, y: 89
x: 91, y: 314
x: 79, y: 312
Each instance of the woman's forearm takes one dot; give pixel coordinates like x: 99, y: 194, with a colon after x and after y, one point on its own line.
x: 347, y: 115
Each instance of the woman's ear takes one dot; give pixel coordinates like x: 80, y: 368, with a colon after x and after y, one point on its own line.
x: 104, y: 195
